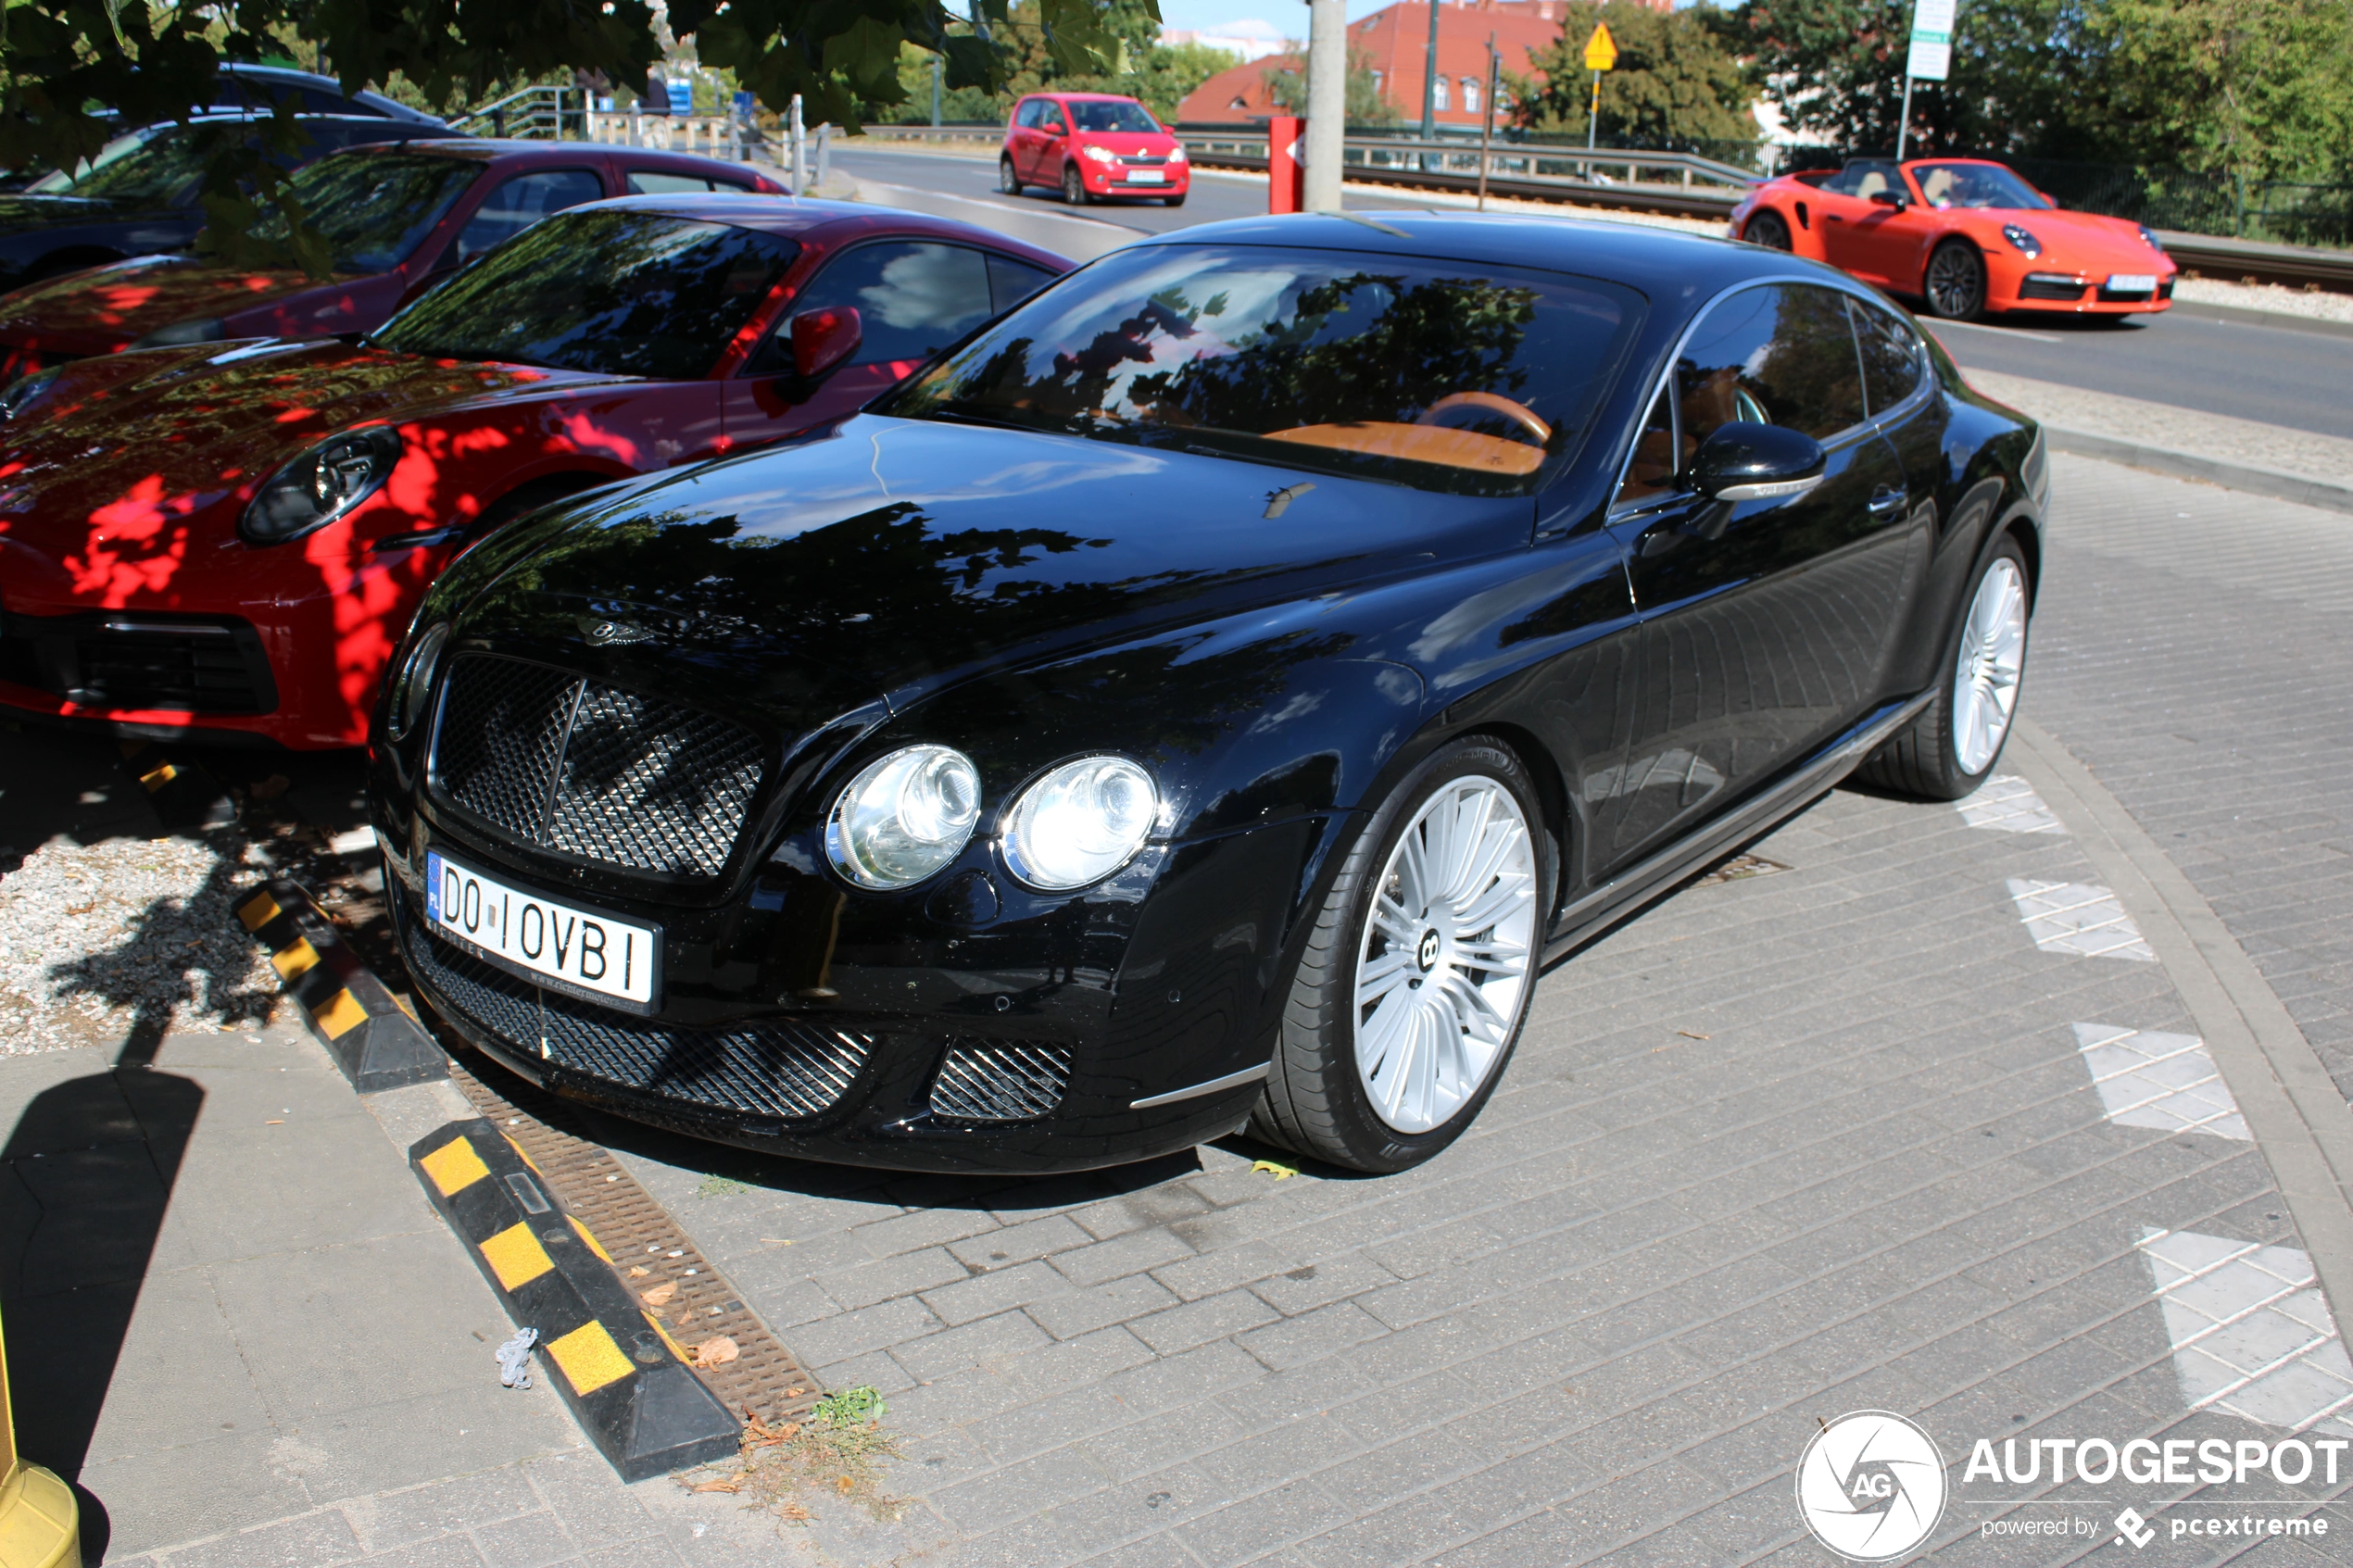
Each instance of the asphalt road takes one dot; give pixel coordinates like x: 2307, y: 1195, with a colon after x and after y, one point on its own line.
x: 2274, y: 375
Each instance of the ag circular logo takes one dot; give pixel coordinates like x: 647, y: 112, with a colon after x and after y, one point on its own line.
x: 1870, y: 1485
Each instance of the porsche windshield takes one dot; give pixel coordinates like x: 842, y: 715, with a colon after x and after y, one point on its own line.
x: 1976, y: 184
x: 372, y: 208
x: 1437, y: 375
x: 616, y: 292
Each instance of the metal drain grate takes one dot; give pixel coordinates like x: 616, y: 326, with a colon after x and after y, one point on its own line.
x: 765, y: 1379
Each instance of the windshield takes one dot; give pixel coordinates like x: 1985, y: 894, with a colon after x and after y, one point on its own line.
x: 374, y: 208
x: 1975, y: 184
x: 1112, y: 117
x: 147, y: 168
x: 1387, y: 367
x: 632, y: 294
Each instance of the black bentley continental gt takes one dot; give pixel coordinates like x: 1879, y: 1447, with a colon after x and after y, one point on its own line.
x: 1211, y: 693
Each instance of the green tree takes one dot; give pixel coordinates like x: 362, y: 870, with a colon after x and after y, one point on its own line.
x: 1287, y: 85
x: 1677, y: 81
x: 2258, y: 88
x: 73, y: 71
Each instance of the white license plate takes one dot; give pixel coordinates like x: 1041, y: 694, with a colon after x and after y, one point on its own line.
x: 1145, y: 177
x: 2132, y: 282
x: 587, y: 950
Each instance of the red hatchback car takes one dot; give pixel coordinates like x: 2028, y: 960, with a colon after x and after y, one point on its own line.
x: 1091, y: 146
x: 399, y: 218
x: 227, y: 542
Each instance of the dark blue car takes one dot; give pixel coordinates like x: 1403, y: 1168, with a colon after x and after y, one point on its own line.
x: 1209, y: 695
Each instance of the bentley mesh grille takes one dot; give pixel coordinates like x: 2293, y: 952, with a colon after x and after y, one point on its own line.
x: 569, y: 763
x: 787, y: 1069
x: 1000, y: 1081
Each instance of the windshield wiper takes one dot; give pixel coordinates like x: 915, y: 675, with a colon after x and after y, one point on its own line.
x: 955, y: 415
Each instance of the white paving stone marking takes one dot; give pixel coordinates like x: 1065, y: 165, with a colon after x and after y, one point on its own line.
x: 2251, y: 1333
x: 2069, y: 917
x: 2167, y: 1082
x: 2009, y: 805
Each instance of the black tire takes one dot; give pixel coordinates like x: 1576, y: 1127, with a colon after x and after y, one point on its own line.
x: 1954, y: 283
x: 1314, y: 1100
x: 1924, y: 761
x: 1177, y: 200
x: 1073, y: 188
x: 1767, y: 229
x: 1006, y: 181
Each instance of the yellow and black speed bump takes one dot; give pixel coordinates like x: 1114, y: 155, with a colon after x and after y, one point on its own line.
x: 626, y: 1379
x: 184, y: 792
x: 364, y: 1027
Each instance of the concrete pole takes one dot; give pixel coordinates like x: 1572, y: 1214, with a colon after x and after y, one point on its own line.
x: 1326, y: 102
x: 1430, y: 78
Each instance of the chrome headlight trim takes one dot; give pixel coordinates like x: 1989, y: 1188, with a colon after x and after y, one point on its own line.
x: 905, y: 816
x: 1080, y: 822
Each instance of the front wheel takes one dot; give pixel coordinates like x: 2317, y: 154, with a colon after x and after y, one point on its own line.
x: 1951, y: 748
x: 1955, y: 285
x: 1006, y: 181
x: 1766, y: 229
x: 1414, y: 983
x: 1177, y: 200
x: 1073, y: 188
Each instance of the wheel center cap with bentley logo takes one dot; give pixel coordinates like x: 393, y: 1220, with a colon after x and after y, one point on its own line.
x: 1426, y: 951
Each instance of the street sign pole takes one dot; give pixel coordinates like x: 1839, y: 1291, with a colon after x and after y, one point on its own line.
x: 1487, y: 126
x: 1601, y: 55
x: 1929, y: 58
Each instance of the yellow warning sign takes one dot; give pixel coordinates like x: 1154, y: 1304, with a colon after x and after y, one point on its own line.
x: 1601, y: 50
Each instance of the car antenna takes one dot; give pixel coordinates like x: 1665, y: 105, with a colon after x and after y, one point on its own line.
x: 1370, y: 223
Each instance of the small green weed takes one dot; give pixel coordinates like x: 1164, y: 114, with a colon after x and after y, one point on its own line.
x: 850, y: 1406
x: 720, y: 1186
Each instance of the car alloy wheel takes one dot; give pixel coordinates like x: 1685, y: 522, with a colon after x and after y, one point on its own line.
x: 1006, y: 181
x: 1766, y: 229
x: 1988, y: 667
x: 1416, y: 977
x: 1955, y: 282
x: 1073, y: 188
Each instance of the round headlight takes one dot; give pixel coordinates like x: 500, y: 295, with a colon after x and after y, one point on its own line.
x: 904, y: 817
x: 22, y: 395
x: 413, y: 684
x: 321, y: 484
x: 2149, y: 238
x: 1081, y: 823
x: 205, y: 328
x: 2022, y: 239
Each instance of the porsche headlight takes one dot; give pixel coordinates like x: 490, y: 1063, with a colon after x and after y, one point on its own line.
x: 413, y: 683
x: 2022, y: 240
x: 24, y: 394
x: 904, y: 817
x: 1081, y: 823
x: 1101, y: 154
x: 205, y: 328
x: 2149, y: 238
x: 321, y: 484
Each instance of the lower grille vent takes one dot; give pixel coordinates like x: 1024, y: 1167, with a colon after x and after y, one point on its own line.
x: 1000, y: 1081
x: 787, y: 1069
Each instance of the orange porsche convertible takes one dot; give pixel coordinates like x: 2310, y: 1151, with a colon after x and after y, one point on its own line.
x: 1968, y: 236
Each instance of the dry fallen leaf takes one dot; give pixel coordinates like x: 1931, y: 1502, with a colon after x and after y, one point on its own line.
x: 716, y: 1352
x: 792, y: 1512
x: 1689, y: 1036
x: 275, y: 1122
x: 656, y: 1296
x: 727, y: 1485
x: 1280, y: 1173
x: 795, y: 1393
x: 637, y: 1272
x: 843, y: 1484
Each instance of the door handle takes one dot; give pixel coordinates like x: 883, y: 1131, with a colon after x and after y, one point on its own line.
x: 1886, y: 501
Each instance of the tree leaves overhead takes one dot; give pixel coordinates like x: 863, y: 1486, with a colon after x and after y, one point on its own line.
x: 1677, y: 85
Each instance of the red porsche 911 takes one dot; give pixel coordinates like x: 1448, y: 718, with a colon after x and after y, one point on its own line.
x: 1967, y: 236
x: 226, y: 542
x: 398, y: 218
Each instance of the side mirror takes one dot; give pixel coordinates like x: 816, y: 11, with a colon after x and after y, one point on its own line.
x: 1749, y: 462
x: 1895, y: 199
x: 822, y: 339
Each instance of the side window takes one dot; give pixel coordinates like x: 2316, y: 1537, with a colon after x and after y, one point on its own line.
x: 654, y: 182
x: 1893, y: 362
x: 1781, y: 355
x: 1011, y: 282
x: 520, y: 201
x: 1026, y: 116
x: 912, y: 300
x: 1651, y: 470
x: 316, y: 102
x: 1049, y: 120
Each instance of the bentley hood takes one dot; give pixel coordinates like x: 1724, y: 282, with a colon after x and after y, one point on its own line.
x: 892, y: 559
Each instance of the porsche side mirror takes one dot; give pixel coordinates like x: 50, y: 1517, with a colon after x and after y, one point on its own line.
x: 823, y: 339
x: 1895, y: 199
x: 1751, y: 462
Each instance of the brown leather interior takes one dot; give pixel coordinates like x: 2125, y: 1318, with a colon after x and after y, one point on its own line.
x: 1420, y: 443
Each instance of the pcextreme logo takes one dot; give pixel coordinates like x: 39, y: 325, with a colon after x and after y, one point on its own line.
x: 1870, y: 1485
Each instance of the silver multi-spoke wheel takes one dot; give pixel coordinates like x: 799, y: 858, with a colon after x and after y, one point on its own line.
x: 1446, y: 955
x: 1986, y: 670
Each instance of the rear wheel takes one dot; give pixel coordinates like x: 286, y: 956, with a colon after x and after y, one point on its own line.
x: 1766, y: 229
x: 1006, y: 181
x: 1951, y: 747
x: 1073, y: 188
x: 1414, y: 983
x: 1954, y: 283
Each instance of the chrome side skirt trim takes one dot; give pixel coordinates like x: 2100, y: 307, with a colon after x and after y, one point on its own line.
x: 1216, y: 1085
